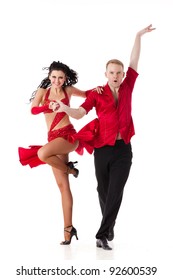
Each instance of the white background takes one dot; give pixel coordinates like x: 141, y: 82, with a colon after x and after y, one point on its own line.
x: 85, y: 34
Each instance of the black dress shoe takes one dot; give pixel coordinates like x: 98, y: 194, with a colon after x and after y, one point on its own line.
x: 111, y: 234
x: 102, y: 243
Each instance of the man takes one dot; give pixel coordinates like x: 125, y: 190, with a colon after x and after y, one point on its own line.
x: 112, y: 147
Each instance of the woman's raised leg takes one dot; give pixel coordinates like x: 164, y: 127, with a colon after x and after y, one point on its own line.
x: 50, y: 152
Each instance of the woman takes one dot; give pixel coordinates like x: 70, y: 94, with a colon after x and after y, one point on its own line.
x: 61, y: 142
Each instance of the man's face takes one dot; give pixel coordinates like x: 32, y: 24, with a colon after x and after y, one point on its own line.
x: 114, y: 74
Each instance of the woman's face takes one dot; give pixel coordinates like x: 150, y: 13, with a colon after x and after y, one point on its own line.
x: 57, y: 78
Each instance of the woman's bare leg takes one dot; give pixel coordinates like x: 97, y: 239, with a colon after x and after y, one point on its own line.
x: 62, y: 181
x: 59, y: 146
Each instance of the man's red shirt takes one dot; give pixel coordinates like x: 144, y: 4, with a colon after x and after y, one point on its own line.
x: 113, y: 117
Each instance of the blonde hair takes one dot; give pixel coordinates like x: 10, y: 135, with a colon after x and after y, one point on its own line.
x: 115, y: 61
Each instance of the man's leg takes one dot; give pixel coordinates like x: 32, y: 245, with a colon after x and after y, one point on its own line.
x: 119, y: 167
x: 101, y: 158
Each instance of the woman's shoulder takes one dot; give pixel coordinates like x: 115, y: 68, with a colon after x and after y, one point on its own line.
x: 68, y: 89
x: 42, y: 91
x: 42, y: 94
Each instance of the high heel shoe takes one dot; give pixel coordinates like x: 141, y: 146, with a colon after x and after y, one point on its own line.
x: 71, y: 165
x: 73, y: 232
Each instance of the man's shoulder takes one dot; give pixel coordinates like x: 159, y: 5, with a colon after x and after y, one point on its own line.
x: 131, y: 71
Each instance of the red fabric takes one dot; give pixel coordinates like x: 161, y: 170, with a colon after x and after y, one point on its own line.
x: 113, y: 118
x: 29, y: 156
x: 86, y: 137
x: 41, y: 109
x: 64, y: 132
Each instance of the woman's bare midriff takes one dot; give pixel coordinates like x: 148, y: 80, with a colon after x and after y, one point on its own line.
x: 49, y: 119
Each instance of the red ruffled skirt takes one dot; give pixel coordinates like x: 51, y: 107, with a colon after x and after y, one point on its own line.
x: 85, y: 136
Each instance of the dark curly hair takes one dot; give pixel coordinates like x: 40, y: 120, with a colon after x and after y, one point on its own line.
x: 71, y: 76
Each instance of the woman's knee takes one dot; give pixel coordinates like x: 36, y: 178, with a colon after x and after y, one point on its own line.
x: 41, y: 154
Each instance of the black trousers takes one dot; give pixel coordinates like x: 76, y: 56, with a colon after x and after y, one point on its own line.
x: 112, y: 167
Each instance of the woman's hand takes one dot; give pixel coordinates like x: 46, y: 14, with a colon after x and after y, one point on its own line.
x: 53, y: 106
x: 57, y: 107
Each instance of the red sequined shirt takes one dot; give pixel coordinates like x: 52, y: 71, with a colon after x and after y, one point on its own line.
x: 113, y: 117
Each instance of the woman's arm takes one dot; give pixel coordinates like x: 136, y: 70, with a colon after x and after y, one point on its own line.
x: 38, y: 99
